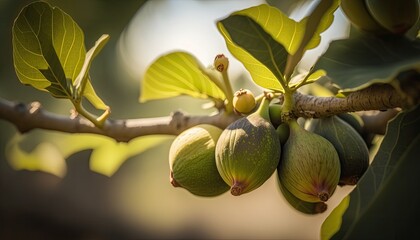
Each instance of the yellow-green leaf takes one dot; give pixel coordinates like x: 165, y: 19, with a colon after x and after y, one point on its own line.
x: 49, y: 156
x: 178, y: 73
x: 48, y: 49
x: 262, y: 37
x: 261, y: 55
x: 332, y: 224
x: 49, y: 52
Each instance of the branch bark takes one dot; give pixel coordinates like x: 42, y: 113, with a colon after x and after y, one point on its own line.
x: 375, y: 97
x: 32, y: 116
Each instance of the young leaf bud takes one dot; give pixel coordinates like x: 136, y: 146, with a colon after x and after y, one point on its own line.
x: 221, y: 63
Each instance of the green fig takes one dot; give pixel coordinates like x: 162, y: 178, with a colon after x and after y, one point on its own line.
x: 248, y: 151
x: 350, y: 146
x: 309, y: 167
x: 283, y: 132
x: 396, y: 16
x: 354, y: 120
x: 244, y: 101
x: 360, y: 16
x: 275, y: 114
x: 300, y: 205
x: 192, y: 161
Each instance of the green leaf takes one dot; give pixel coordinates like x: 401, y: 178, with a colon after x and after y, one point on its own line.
x: 312, y: 77
x: 48, y: 49
x: 49, y: 156
x: 82, y: 77
x: 45, y: 157
x: 319, y: 20
x: 332, y: 224
x: 49, y: 52
x: 107, y: 158
x: 178, y: 73
x: 264, y: 35
x: 264, y: 58
x: 384, y: 202
x: 363, y: 60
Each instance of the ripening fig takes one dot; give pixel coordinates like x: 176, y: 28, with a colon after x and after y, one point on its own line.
x: 244, y: 101
x: 275, y: 114
x: 300, y: 205
x: 309, y: 167
x: 192, y: 161
x: 350, y: 146
x: 353, y: 120
x: 248, y: 151
x: 283, y: 132
x: 360, y: 16
x: 396, y: 16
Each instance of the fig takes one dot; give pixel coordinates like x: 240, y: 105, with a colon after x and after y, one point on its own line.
x: 275, y: 114
x: 309, y: 167
x: 396, y: 16
x: 244, y: 101
x: 300, y: 205
x: 354, y: 120
x: 283, y: 132
x: 360, y: 16
x: 248, y: 151
x: 350, y: 146
x: 192, y: 161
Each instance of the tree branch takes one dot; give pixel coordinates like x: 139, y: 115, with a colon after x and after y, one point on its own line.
x: 375, y: 97
x: 32, y: 116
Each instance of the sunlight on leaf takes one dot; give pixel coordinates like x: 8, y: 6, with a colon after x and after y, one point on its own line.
x: 45, y: 157
x: 178, y: 73
x: 90, y: 94
x: 49, y: 156
x: 49, y: 51
x: 332, y: 224
x: 107, y: 158
x: 82, y: 79
x: 313, y: 77
x: 261, y: 38
x: 321, y: 17
x: 361, y: 61
x: 263, y: 57
x: 380, y: 186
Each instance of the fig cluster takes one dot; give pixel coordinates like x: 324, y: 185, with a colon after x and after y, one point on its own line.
x: 311, y: 161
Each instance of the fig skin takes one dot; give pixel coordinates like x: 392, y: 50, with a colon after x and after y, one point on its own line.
x: 192, y: 161
x: 310, y: 208
x: 396, y: 16
x: 350, y: 146
x: 309, y: 167
x: 360, y: 16
x: 382, y: 17
x: 248, y: 151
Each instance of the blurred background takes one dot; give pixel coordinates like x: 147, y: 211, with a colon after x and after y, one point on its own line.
x: 64, y: 186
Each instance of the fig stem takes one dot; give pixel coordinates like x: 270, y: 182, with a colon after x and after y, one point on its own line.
x: 263, y: 109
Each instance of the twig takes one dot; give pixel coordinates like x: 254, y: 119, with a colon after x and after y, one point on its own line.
x: 32, y: 116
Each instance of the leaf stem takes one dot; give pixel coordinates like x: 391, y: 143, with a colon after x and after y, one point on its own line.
x: 229, y: 92
x: 97, y: 121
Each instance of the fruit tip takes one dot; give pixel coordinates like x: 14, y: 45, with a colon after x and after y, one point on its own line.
x: 323, y: 196
x: 321, y: 207
x: 237, y: 189
x: 173, y: 181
